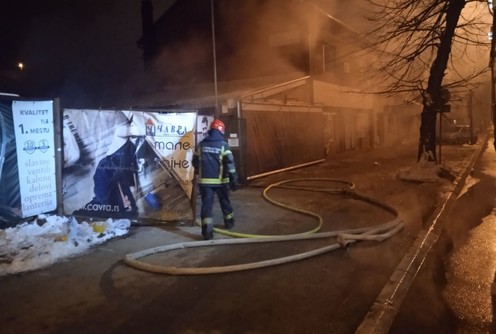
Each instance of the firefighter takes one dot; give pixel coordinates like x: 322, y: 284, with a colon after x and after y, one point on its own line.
x: 214, y: 164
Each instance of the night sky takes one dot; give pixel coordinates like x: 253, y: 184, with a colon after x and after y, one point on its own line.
x: 81, y: 51
x: 76, y: 50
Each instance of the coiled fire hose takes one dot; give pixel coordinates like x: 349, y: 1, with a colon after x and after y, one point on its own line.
x: 343, y: 237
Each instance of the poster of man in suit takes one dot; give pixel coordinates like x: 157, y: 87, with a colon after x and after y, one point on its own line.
x: 131, y: 164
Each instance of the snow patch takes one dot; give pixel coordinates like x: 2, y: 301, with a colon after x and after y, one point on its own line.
x: 48, y: 239
x: 425, y: 171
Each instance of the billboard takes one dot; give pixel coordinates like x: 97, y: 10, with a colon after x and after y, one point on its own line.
x: 28, y: 182
x: 131, y: 164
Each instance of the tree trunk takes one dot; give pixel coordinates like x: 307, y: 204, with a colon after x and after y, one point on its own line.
x: 427, y: 142
x: 432, y: 98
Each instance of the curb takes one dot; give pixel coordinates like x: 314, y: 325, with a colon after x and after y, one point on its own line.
x: 382, y: 313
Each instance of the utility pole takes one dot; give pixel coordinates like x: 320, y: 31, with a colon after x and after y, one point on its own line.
x: 490, y: 4
x: 212, y: 14
x: 148, y: 43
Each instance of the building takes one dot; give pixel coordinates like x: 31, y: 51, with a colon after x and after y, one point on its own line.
x: 289, y: 78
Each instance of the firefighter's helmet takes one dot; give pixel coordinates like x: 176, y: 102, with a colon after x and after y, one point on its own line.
x: 219, y: 125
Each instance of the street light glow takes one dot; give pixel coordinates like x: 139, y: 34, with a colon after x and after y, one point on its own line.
x: 20, y: 66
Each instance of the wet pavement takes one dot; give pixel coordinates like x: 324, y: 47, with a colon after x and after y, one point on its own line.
x: 329, y: 293
x: 471, y: 265
x: 454, y: 291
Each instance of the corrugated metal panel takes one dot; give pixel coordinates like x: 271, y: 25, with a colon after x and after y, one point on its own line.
x: 282, y: 136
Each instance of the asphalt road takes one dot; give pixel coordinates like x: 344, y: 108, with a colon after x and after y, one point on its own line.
x: 454, y: 291
x: 329, y: 293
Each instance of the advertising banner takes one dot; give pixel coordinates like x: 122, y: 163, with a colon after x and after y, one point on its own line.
x: 35, y: 144
x: 133, y: 164
x: 10, y: 196
x: 202, y: 126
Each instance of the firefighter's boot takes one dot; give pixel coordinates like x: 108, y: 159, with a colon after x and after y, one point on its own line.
x: 229, y: 221
x: 207, y: 228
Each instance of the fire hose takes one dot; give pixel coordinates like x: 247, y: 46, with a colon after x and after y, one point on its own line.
x: 343, y: 238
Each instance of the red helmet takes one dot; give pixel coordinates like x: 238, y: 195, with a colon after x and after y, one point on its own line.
x: 219, y: 125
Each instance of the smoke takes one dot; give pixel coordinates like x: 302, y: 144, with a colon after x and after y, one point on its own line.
x: 406, y: 56
x: 253, y: 39
x: 85, y: 52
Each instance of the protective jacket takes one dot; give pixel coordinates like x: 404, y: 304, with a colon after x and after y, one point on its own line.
x: 213, y: 160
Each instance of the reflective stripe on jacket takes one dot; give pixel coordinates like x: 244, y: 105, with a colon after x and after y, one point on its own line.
x: 213, y: 160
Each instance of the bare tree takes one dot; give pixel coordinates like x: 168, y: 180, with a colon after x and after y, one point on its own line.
x: 417, y: 40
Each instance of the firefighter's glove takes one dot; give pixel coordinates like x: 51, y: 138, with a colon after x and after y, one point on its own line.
x: 233, y: 182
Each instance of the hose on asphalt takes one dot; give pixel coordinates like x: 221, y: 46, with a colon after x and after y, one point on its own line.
x: 343, y: 238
